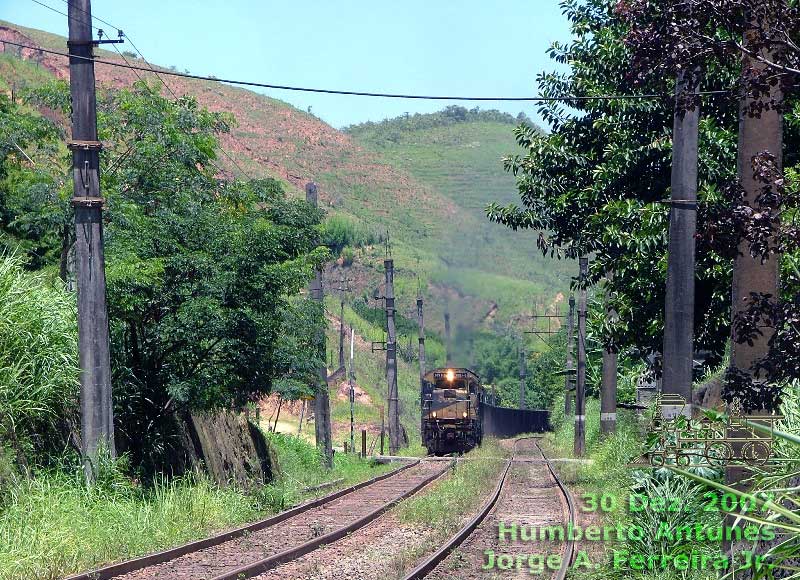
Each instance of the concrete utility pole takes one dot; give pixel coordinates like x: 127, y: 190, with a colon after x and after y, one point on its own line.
x: 391, y: 360
x: 523, y: 372
x: 569, y: 382
x: 322, y: 407
x: 352, y: 377
x: 759, y: 133
x: 679, y: 304
x: 341, y: 333
x: 580, y: 387
x: 608, y: 384
x: 97, y: 406
x: 421, y: 322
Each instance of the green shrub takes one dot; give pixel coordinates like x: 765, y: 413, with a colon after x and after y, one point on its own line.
x: 348, y: 255
x: 339, y: 231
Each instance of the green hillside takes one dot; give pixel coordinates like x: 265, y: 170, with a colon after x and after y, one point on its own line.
x: 458, y: 153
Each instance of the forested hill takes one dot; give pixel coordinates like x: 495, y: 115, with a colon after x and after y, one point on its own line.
x: 425, y: 184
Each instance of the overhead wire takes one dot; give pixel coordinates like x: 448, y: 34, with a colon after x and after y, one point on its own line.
x: 134, y: 68
x: 158, y: 76
x: 561, y: 98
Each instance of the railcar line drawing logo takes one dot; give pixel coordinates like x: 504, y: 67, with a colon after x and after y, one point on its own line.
x: 712, y: 439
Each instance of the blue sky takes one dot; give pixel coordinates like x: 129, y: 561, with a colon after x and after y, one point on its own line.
x: 464, y: 47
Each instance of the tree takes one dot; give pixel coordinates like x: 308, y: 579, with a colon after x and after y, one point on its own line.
x: 759, y: 39
x: 595, y: 183
x: 203, y: 273
x: 34, y: 196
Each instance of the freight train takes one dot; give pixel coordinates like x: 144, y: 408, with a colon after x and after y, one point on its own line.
x: 451, y: 410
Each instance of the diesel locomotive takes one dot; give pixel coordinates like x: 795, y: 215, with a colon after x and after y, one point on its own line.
x: 451, y: 410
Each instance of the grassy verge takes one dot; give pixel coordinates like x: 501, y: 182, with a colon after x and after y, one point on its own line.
x: 53, y: 524
x: 443, y: 508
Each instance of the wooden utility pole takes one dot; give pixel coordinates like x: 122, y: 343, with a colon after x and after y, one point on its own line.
x: 679, y: 305
x: 391, y: 359
x: 580, y: 386
x: 421, y: 323
x: 302, y: 413
x: 523, y: 371
x: 97, y: 406
x: 569, y: 380
x: 322, y: 407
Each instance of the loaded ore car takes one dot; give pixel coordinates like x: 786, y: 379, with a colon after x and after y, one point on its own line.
x: 451, y: 411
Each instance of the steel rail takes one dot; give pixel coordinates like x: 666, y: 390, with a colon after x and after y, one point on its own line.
x: 437, y: 557
x: 569, y: 548
x: 429, y: 564
x: 256, y: 568
x: 113, y: 570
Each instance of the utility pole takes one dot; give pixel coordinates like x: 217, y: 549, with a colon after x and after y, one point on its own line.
x: 344, y: 287
x: 391, y: 359
x: 97, y: 405
x: 580, y: 387
x: 352, y: 378
x: 679, y: 303
x: 523, y: 371
x: 608, y: 382
x: 421, y: 322
x: 341, y: 332
x: 760, y: 131
x: 448, y: 345
x: 322, y: 407
x: 569, y: 382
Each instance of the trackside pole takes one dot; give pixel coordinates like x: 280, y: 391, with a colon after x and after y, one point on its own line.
x: 580, y: 386
x: 679, y: 303
x: 569, y: 381
x: 97, y: 414
x: 322, y: 408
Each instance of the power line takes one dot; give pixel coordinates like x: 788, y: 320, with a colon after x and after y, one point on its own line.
x: 565, y: 98
x: 136, y: 69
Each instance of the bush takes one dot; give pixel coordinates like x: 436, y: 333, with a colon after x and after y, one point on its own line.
x: 348, y: 256
x: 339, y: 231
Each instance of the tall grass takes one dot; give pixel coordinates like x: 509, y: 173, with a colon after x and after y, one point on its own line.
x: 339, y: 231
x: 54, y: 524
x: 38, y: 356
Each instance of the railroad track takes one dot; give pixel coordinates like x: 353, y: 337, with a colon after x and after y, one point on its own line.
x: 481, y: 531
x: 259, y: 547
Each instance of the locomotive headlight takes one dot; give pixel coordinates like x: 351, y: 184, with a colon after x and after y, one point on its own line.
x: 433, y: 414
x: 464, y: 414
x: 450, y: 375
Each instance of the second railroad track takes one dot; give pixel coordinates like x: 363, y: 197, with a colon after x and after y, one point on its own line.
x: 528, y: 493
